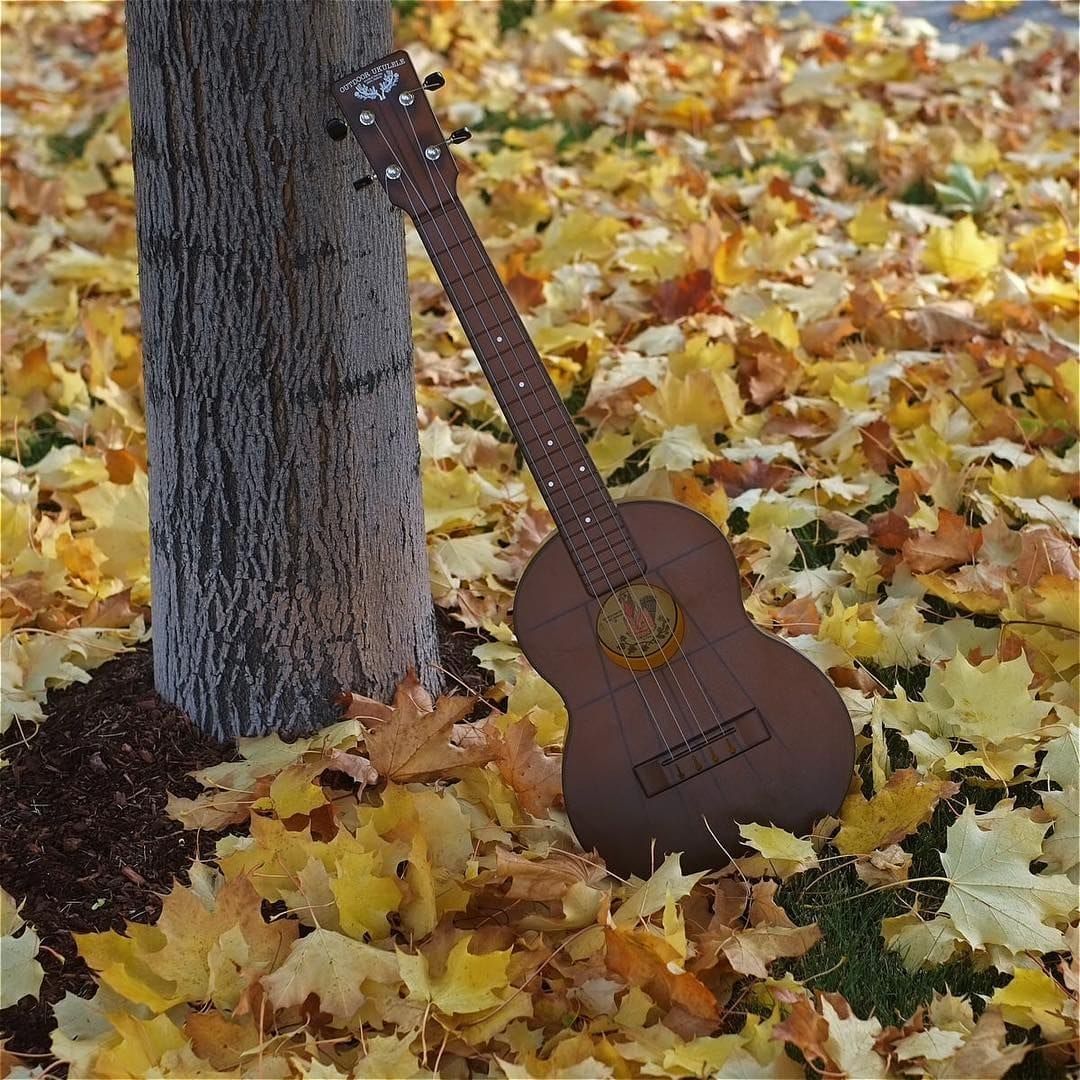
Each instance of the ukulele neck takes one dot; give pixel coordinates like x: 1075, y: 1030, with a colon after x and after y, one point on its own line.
x: 588, y: 520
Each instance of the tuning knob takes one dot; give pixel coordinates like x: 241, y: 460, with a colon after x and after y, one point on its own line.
x: 336, y: 128
x: 362, y: 182
x: 462, y: 134
x: 434, y: 81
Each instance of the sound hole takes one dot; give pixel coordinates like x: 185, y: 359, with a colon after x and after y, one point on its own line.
x: 640, y: 626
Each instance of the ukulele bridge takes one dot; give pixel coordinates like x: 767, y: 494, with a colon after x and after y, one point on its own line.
x: 699, y: 754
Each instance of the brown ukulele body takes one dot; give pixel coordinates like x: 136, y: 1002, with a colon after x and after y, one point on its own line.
x: 774, y: 741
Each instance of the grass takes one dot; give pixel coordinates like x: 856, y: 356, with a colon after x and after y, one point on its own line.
x: 69, y: 147
x: 851, y: 958
x: 35, y: 440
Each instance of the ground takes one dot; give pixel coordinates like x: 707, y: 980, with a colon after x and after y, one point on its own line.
x: 818, y: 282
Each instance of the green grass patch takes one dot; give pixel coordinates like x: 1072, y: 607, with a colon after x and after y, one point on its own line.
x: 512, y: 13
x: 35, y: 440
x: 815, y: 545
x: 69, y: 147
x: 851, y: 957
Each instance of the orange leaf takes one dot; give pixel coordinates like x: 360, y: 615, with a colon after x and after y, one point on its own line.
x: 642, y: 960
x: 807, y: 1030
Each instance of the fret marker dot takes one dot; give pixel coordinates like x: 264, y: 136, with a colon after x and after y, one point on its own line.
x: 581, y: 468
x: 521, y: 384
x: 588, y: 520
x: 551, y: 483
x: 498, y: 339
x: 551, y: 442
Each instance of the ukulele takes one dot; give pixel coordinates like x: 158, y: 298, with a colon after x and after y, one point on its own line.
x: 685, y: 718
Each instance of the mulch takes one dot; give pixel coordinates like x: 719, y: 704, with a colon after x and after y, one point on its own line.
x: 86, y: 843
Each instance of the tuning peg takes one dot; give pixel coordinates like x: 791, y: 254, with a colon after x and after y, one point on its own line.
x: 336, y: 128
x: 362, y: 182
x: 462, y: 134
x: 434, y: 81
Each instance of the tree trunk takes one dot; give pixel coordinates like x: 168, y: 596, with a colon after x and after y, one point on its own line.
x: 287, y: 533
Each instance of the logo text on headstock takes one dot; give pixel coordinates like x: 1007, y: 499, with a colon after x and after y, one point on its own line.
x: 375, y: 84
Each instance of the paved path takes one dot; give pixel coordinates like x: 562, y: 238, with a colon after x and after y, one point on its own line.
x: 995, y: 32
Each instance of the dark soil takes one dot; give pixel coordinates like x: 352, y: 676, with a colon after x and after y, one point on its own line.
x: 86, y: 843
x: 456, y: 643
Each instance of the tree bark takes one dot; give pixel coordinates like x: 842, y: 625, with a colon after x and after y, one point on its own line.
x: 287, y: 534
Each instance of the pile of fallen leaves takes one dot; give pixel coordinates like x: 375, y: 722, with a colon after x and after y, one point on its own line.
x: 820, y: 284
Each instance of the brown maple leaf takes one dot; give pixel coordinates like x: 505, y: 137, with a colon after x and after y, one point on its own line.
x: 418, y: 739
x: 536, y: 777
x: 879, y: 448
x: 822, y: 338
x: 954, y: 544
x: 889, y: 530
x: 740, y: 476
x: 543, y: 879
x: 683, y: 295
x: 799, y: 617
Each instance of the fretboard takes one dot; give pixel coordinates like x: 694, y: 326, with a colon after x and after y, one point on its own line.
x: 588, y: 520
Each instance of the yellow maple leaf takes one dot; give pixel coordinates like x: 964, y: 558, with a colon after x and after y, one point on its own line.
x: 985, y: 703
x: 171, y: 962
x: 978, y: 10
x: 650, y: 896
x: 779, y: 325
x: 961, y: 252
x: 364, y: 896
x: 786, y: 854
x: 842, y: 625
x: 294, y: 790
x: 388, y: 1057
x: 468, y: 984
x: 871, y: 224
x: 143, y: 1046
x: 1032, y: 997
x: 121, y: 515
x: 906, y: 802
x: 19, y: 944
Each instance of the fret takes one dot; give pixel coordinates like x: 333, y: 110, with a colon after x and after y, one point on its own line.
x: 469, y: 279
x: 470, y: 302
x: 466, y: 243
x: 428, y: 216
x: 591, y: 527
x: 611, y: 577
x: 600, y: 520
x: 601, y: 548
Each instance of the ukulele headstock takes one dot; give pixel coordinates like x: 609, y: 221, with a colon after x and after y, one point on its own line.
x: 386, y: 108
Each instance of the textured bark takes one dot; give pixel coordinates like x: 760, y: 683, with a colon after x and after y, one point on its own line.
x: 287, y: 531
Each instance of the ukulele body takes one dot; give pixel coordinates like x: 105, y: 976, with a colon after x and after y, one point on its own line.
x: 725, y: 725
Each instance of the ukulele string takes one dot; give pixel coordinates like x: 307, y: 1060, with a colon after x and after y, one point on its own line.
x: 495, y: 354
x: 626, y: 579
x: 607, y: 501
x: 470, y: 235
